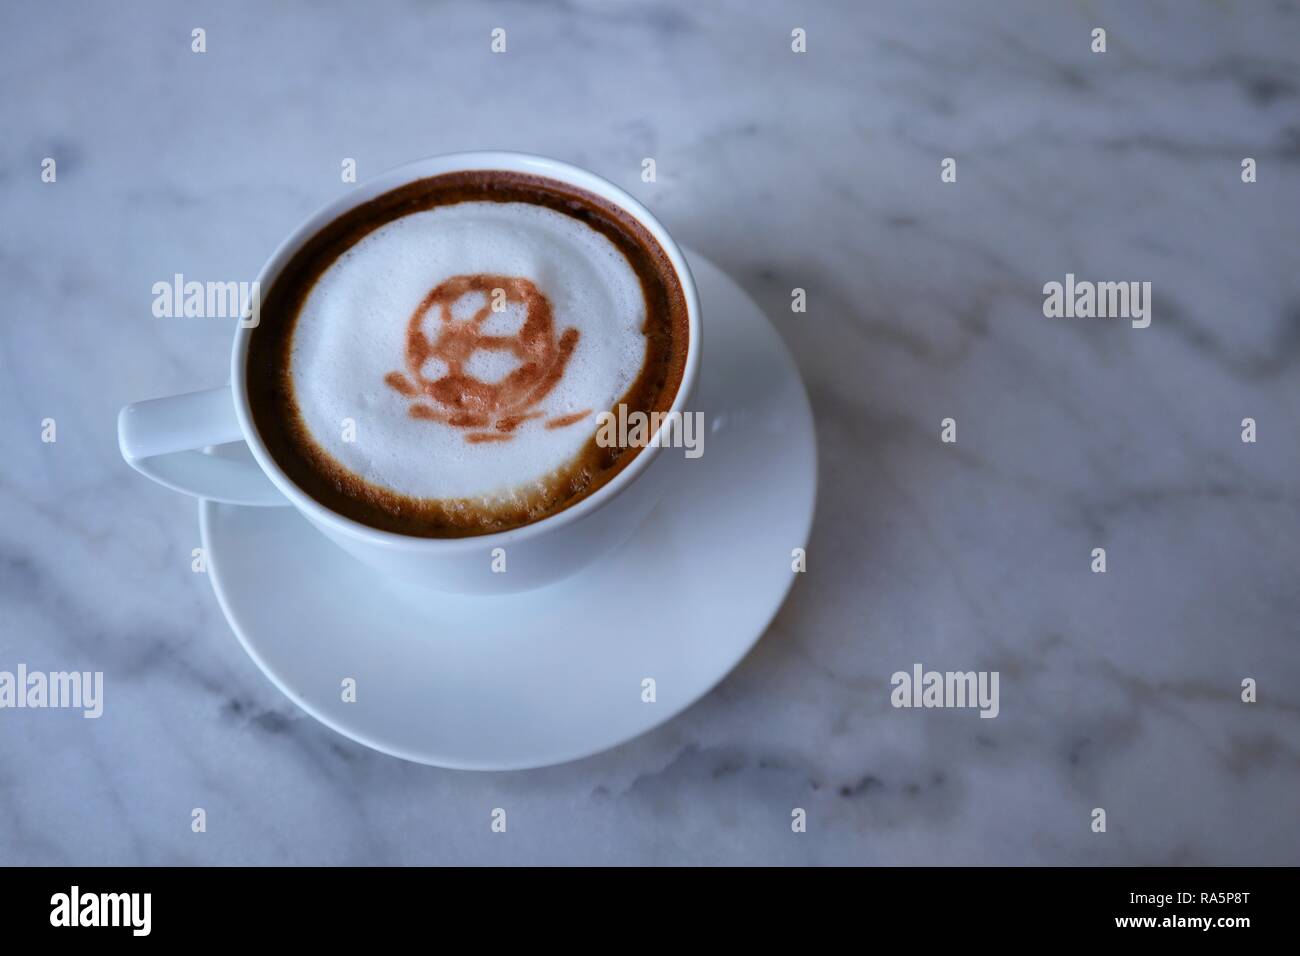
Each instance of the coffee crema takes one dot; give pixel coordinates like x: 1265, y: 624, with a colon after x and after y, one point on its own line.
x: 433, y: 362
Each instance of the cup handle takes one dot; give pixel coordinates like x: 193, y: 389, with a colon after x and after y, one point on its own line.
x: 160, y: 439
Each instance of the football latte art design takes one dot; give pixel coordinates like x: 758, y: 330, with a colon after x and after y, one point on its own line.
x: 440, y: 348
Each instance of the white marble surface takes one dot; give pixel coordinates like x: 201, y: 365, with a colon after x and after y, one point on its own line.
x: 818, y: 171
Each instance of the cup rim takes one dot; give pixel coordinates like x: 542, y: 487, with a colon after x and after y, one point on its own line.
x: 477, y: 160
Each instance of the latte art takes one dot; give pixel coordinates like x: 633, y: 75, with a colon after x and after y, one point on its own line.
x: 419, y: 291
x: 434, y: 361
x: 457, y: 398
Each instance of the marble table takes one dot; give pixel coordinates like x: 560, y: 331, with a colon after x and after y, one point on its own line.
x: 818, y: 170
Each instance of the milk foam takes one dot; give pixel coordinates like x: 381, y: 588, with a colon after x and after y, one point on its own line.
x: 352, y: 330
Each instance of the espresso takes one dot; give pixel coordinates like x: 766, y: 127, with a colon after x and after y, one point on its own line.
x: 434, y: 362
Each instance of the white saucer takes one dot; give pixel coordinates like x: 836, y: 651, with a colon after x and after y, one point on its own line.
x: 527, y: 680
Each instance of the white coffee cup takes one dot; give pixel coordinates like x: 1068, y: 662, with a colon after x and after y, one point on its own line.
x: 163, y: 438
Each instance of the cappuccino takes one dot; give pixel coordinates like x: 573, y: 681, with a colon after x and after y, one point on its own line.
x: 436, y: 361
